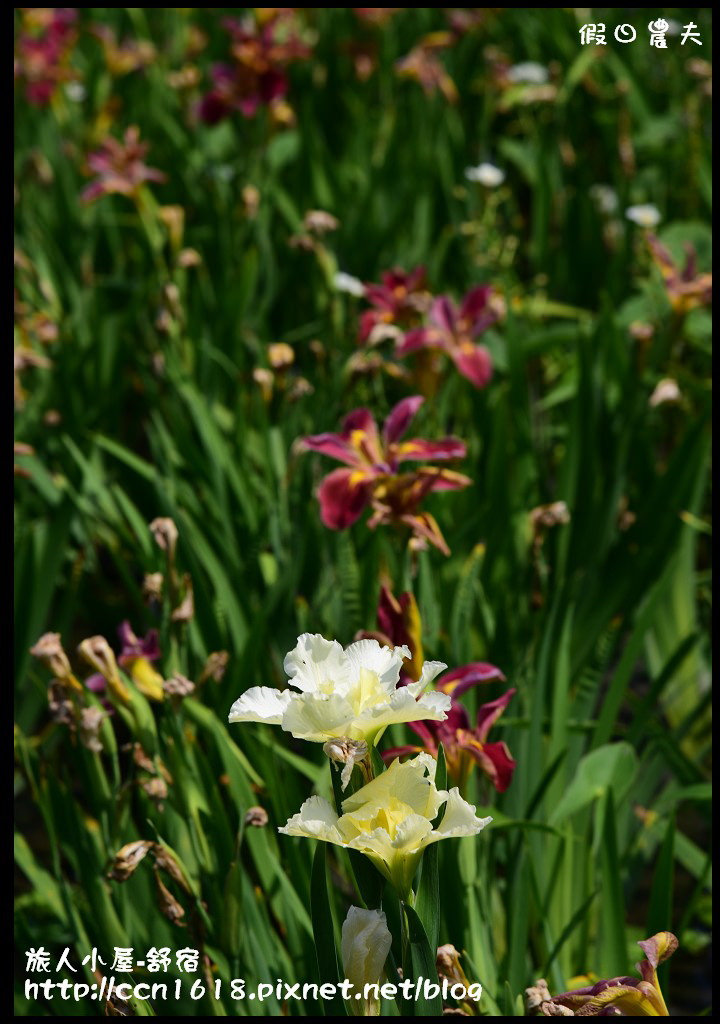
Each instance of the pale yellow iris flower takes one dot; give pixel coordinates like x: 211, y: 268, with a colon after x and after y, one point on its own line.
x: 390, y: 819
x: 351, y: 693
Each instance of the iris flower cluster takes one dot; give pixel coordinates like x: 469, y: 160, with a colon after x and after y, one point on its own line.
x: 346, y: 699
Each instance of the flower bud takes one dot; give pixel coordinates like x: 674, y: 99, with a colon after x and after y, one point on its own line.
x: 251, y: 200
x: 447, y: 962
x: 165, y: 534
x: 265, y: 379
x: 366, y: 942
x: 167, y: 904
x: 536, y: 995
x: 280, y: 355
x: 98, y: 653
x: 61, y: 709
x: 156, y: 788
x: 545, y: 516
x: 256, y: 817
x: 666, y: 390
x: 189, y: 258
x: 152, y: 586
x: 320, y: 222
x: 173, y: 217
x: 49, y: 650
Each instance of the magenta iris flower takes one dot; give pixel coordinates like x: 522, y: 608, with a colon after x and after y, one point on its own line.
x: 119, y: 167
x: 453, y: 329
x: 373, y: 478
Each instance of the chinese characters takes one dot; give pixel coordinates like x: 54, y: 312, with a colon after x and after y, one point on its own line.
x: 594, y: 33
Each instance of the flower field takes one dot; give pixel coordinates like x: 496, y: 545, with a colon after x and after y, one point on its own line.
x: 362, y: 511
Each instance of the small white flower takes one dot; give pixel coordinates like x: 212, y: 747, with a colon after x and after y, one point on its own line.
x: 350, y: 693
x: 528, y: 73
x: 605, y: 197
x: 674, y: 27
x: 644, y: 214
x: 347, y: 283
x: 486, y: 174
x: 666, y: 390
x: 366, y: 942
x: 75, y: 91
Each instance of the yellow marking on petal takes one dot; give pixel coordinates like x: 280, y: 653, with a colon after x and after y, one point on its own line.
x: 358, y: 476
x: 147, y: 680
x: 413, y: 625
x: 632, y: 1002
x: 388, y: 816
x: 407, y: 448
x: 468, y: 739
x: 369, y: 692
x: 357, y: 437
x: 581, y: 981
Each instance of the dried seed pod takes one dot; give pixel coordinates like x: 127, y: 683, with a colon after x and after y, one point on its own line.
x: 90, y: 721
x: 50, y: 650
x: 165, y: 534
x: 98, y: 653
x: 165, y: 861
x: 256, y: 817
x: 186, y: 609
x: 215, y: 667
x: 128, y: 858
x: 178, y: 686
x: 168, y: 905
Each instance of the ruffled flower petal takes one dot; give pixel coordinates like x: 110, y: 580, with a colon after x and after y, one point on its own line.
x: 461, y: 679
x: 430, y: 670
x: 260, y: 704
x: 390, y: 819
x: 659, y: 947
x: 316, y: 819
x: 317, y: 717
x: 353, y: 693
x: 459, y: 819
x: 386, y: 662
x: 334, y: 445
x: 317, y: 665
x: 494, y: 759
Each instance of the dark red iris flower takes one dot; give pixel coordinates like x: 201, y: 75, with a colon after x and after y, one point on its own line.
x: 374, y: 479
x: 464, y: 745
x: 43, y: 51
x: 453, y: 329
x: 256, y: 77
x: 398, y: 303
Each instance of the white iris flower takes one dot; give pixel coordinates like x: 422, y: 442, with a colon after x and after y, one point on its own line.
x: 351, y: 693
x: 644, y: 214
x: 390, y: 819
